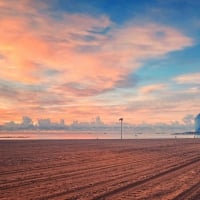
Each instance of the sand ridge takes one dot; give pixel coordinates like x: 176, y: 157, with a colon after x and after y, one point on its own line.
x: 100, y: 169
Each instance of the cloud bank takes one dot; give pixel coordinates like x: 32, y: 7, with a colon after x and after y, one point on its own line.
x: 27, y: 124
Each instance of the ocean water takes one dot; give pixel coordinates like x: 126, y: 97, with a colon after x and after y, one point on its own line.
x: 43, y: 135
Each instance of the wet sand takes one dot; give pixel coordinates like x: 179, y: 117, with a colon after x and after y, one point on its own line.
x: 100, y: 169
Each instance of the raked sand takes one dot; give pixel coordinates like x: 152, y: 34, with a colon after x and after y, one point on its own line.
x: 100, y: 169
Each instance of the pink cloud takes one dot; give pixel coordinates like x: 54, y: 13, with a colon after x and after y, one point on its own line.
x: 53, y: 43
x: 33, y: 42
x: 193, y: 78
x: 152, y: 88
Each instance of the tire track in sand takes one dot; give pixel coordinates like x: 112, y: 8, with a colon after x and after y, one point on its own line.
x: 189, y: 193
x: 140, y: 182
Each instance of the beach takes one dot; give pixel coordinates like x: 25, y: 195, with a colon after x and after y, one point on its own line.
x: 100, y: 169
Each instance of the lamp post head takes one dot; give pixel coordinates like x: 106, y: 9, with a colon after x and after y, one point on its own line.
x: 120, y: 119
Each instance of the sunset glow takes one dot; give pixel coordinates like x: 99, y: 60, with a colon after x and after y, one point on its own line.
x: 75, y: 60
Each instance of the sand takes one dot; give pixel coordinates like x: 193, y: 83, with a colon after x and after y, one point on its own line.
x: 100, y: 169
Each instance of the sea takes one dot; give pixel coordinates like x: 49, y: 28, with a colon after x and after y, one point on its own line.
x: 60, y: 135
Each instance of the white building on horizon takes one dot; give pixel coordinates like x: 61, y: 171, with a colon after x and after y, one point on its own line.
x: 197, y: 123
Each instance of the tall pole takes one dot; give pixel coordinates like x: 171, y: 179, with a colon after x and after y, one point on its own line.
x: 121, y: 119
x: 121, y: 129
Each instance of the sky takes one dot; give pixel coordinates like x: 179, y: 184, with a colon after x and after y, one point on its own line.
x: 75, y: 60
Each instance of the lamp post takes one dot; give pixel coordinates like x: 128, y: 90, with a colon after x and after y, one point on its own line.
x: 121, y: 119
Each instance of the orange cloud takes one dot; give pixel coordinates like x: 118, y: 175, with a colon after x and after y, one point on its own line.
x: 152, y: 88
x: 86, y: 59
x: 193, y: 78
x: 32, y: 39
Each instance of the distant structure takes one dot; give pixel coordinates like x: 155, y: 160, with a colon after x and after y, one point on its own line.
x: 197, y: 124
